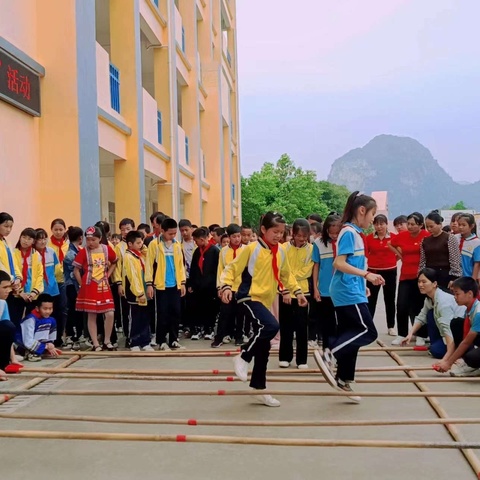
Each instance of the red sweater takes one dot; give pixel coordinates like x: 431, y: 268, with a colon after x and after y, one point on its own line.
x: 410, y: 248
x: 380, y: 257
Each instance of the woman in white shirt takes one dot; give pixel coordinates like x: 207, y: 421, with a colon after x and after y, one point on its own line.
x: 445, y: 309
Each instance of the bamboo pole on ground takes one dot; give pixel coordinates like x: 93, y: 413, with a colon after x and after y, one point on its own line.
x: 5, y: 397
x: 234, y: 393
x: 241, y: 423
x: 454, y: 432
x: 223, y: 439
x: 216, y: 378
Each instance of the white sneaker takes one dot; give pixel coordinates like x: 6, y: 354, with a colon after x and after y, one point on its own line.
x: 208, y: 336
x: 346, y: 387
x: 267, y: 400
x: 463, y: 370
x: 19, y: 358
x: 325, y: 367
x: 177, y: 346
x: 165, y: 347
x: 245, y: 339
x: 195, y: 336
x: 302, y: 366
x: 227, y: 339
x: 312, y: 344
x: 148, y: 348
x: 283, y: 364
x: 391, y: 332
x: 420, y: 342
x: 241, y: 368
x: 397, y: 341
x: 135, y: 349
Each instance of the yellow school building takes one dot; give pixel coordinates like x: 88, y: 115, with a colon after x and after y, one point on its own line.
x: 118, y: 108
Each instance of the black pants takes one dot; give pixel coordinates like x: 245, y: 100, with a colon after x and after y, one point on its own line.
x: 206, y: 308
x: 327, y: 320
x: 139, y: 325
x: 314, y: 329
x: 168, y: 314
x: 227, y: 319
x: 60, y: 318
x: 389, y: 289
x: 117, y: 315
x: 472, y: 356
x: 265, y: 327
x: 18, y: 308
x: 409, y: 303
x: 75, y: 318
x: 188, y: 309
x: 7, y: 336
x: 293, y: 318
x: 355, y: 329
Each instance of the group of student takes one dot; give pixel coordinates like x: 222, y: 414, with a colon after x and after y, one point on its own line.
x: 310, y: 282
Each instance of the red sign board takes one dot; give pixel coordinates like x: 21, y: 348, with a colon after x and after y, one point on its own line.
x: 19, y: 85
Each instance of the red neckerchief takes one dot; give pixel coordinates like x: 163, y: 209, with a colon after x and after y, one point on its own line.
x: 334, y: 248
x: 462, y: 241
x: 35, y: 313
x: 235, y: 250
x: 212, y: 241
x: 25, y: 256
x: 138, y: 254
x: 274, y: 250
x: 42, y: 254
x: 202, y: 255
x: 59, y: 244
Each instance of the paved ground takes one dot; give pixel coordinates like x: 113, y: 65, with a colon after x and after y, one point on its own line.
x: 75, y: 460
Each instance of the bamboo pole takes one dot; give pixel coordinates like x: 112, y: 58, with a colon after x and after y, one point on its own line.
x: 6, y: 396
x: 241, y: 423
x: 230, y: 393
x: 217, y: 378
x: 223, y: 439
x: 454, y: 432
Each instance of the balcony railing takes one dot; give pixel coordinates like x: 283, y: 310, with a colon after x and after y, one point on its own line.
x: 114, y: 88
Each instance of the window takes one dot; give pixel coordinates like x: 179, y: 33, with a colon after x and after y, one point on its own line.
x: 233, y: 191
x: 159, y: 127
x: 187, y: 151
x: 204, y: 167
x: 183, y: 39
x: 111, y: 216
x: 156, y: 3
x: 114, y: 88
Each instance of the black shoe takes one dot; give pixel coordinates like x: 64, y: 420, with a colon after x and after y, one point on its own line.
x: 216, y: 344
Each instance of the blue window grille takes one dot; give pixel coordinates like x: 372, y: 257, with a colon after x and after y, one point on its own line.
x: 155, y: 2
x: 233, y: 191
x: 187, y: 151
x: 159, y: 127
x: 114, y: 88
x: 183, y: 39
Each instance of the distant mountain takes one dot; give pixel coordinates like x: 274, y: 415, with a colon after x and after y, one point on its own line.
x: 407, y: 170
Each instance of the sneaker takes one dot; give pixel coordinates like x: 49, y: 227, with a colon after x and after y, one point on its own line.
x: 391, y: 332
x: 187, y: 333
x: 76, y: 346
x: 164, y: 346
x: 82, y: 339
x: 346, y: 387
x: 463, y: 370
x: 302, y: 366
x: 267, y: 400
x: 148, y: 348
x: 195, y: 336
x: 283, y: 364
x: 241, y: 368
x: 216, y: 344
x: 238, y: 343
x: 119, y: 330
x: 153, y: 343
x: 208, y: 336
x: 19, y: 358
x: 33, y: 357
x: 68, y: 344
x: 176, y: 346
x: 227, y: 339
x: 312, y: 344
x: 135, y: 349
x: 245, y: 339
x: 88, y: 344
x: 420, y: 342
x: 324, y: 366
x: 397, y: 341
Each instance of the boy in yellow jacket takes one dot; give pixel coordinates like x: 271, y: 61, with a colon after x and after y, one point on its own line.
x: 135, y: 292
x: 165, y: 271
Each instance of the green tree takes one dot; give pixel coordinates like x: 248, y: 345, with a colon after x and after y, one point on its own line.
x: 458, y: 206
x: 290, y: 190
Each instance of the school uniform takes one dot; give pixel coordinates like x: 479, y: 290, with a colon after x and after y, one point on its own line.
x: 382, y: 261
x: 264, y: 270
x: 7, y: 335
x: 470, y: 253
x: 134, y: 278
x: 122, y: 308
x: 230, y: 322
x: 35, y: 332
x: 293, y: 318
x: 165, y: 271
x: 460, y: 329
x: 355, y: 327
x: 32, y: 282
x: 437, y: 326
x: 75, y: 318
x: 203, y: 281
x: 409, y: 298
x: 324, y: 255
x: 8, y: 263
x: 187, y: 301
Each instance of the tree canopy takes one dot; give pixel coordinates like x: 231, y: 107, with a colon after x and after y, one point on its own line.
x: 290, y: 190
x: 458, y: 206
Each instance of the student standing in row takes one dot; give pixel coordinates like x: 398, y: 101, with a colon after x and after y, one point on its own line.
x: 382, y: 261
x: 469, y: 245
x: 264, y: 269
x: 7, y: 260
x: 350, y: 294
x: 188, y: 247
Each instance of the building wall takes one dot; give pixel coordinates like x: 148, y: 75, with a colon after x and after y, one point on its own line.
x: 80, y: 155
